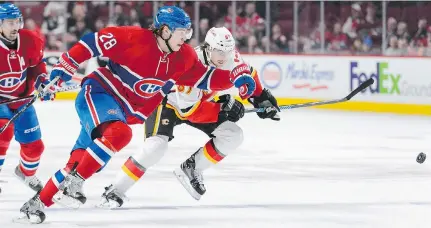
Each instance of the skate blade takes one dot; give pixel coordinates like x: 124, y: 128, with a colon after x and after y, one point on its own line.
x: 181, y: 177
x: 24, y: 219
x: 108, y: 204
x: 66, y: 201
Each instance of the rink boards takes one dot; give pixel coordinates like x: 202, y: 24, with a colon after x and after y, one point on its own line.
x: 402, y: 85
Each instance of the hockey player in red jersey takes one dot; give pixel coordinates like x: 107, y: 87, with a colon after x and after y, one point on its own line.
x: 22, y: 70
x: 196, y: 108
x: 144, y: 64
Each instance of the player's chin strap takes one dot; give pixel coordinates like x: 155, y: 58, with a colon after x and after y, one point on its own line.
x: 166, y: 40
x: 167, y: 43
x: 206, y: 55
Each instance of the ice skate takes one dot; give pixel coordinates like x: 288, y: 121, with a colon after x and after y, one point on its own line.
x: 70, y: 192
x: 32, y: 211
x: 191, y: 178
x: 31, y: 181
x: 112, y: 198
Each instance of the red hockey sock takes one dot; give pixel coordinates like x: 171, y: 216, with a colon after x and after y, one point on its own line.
x: 51, y: 187
x: 5, y: 139
x: 114, y: 136
x: 30, y: 157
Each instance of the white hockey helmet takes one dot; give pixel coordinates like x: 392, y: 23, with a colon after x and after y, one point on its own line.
x: 220, y: 39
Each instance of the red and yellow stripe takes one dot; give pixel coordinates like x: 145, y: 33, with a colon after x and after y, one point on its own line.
x: 132, y: 170
x: 211, y: 153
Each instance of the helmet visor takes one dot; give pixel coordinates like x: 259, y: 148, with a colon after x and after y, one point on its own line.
x: 219, y: 52
x: 12, y: 24
x: 183, y: 32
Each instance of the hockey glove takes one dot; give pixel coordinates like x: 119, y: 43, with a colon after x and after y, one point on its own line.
x: 241, y: 78
x: 40, y: 84
x: 65, y: 69
x: 231, y: 109
x: 266, y: 100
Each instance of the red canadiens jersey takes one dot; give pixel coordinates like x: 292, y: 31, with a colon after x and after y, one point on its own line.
x: 139, y: 74
x: 19, y: 68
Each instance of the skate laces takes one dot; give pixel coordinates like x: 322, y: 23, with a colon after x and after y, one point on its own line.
x: 115, y: 191
x: 111, y: 193
x: 198, y: 176
x: 33, y: 181
x: 34, y: 204
x: 73, y: 184
x: 37, y: 203
x: 29, y: 180
x: 110, y: 190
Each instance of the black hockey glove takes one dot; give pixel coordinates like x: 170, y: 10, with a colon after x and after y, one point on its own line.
x: 231, y: 109
x: 267, y: 101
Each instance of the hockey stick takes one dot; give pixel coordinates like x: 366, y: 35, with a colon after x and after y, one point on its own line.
x: 19, y: 99
x: 310, y: 104
x: 25, y: 107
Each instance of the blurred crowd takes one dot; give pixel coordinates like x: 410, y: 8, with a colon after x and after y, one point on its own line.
x: 349, y: 27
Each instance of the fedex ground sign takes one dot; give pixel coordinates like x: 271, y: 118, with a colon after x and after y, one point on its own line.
x: 389, y: 80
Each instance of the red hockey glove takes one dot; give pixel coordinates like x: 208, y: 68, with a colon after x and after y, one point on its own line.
x: 241, y: 78
x: 65, y: 69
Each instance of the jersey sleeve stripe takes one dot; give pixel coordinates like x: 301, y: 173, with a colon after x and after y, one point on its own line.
x: 96, y: 35
x: 203, y: 83
x: 201, y: 78
x: 87, y: 47
x: 90, y: 42
x: 166, y: 89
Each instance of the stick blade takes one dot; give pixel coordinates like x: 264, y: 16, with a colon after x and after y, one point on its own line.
x: 360, y: 88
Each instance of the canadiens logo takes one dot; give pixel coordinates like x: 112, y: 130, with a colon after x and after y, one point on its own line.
x: 9, y: 82
x: 148, y: 87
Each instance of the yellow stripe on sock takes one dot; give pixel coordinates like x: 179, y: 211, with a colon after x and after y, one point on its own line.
x: 209, y: 156
x: 130, y: 174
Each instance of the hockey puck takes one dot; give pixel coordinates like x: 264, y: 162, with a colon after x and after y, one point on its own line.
x: 421, y: 158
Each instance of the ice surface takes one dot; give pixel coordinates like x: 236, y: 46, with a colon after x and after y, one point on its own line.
x: 315, y: 168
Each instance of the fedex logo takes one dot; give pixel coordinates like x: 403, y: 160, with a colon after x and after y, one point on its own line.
x: 148, y: 87
x: 387, y: 82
